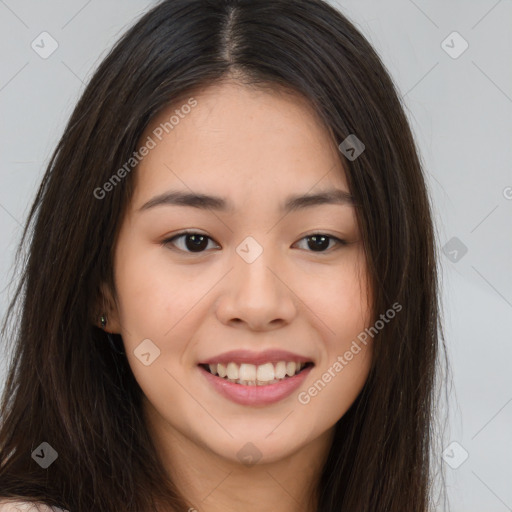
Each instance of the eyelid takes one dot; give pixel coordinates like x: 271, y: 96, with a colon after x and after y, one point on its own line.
x: 339, y: 241
x: 168, y: 241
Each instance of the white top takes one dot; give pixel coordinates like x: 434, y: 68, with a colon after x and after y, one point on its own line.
x: 10, y: 505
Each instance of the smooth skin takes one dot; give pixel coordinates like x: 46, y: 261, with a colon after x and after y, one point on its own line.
x: 254, y: 149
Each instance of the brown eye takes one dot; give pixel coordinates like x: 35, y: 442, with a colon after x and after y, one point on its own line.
x: 193, y: 242
x: 319, y: 242
x: 197, y: 242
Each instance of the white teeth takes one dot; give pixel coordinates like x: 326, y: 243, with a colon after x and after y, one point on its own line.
x: 232, y: 371
x: 280, y: 370
x: 265, y: 372
x: 247, y: 382
x: 221, y: 370
x: 290, y: 369
x: 252, y: 375
x: 247, y: 372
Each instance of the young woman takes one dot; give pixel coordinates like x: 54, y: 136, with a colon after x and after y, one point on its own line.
x: 230, y: 299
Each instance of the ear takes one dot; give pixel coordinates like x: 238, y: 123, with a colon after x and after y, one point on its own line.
x: 106, y: 306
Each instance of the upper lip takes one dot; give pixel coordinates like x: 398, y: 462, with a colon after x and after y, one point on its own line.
x: 256, y: 358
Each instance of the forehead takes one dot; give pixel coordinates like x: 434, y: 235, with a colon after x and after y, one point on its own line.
x: 240, y: 140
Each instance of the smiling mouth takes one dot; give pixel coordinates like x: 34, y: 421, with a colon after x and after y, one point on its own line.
x: 256, y: 375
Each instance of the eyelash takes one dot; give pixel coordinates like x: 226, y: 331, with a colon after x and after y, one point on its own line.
x: 168, y: 241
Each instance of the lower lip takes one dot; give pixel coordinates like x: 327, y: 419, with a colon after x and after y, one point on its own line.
x: 256, y: 395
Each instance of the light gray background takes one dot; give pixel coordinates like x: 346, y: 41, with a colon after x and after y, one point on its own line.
x: 461, y: 112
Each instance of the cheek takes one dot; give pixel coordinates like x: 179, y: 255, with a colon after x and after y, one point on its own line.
x: 344, y: 306
x: 345, y: 364
x: 158, y: 302
x: 335, y: 388
x: 342, y: 300
x: 153, y: 295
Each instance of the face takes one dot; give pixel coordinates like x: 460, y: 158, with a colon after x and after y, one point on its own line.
x: 256, y: 285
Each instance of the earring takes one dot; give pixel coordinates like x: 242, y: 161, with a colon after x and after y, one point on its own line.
x: 103, y: 321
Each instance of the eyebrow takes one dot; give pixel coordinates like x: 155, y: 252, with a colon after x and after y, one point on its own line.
x: 207, y: 202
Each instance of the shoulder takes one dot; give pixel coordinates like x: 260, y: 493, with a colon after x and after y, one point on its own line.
x: 13, y: 505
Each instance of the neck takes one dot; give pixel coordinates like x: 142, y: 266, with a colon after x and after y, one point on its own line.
x: 213, y: 483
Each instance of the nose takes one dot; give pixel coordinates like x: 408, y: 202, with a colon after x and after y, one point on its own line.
x: 258, y: 295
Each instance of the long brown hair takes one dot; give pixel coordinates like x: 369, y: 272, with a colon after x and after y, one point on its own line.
x: 67, y: 387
